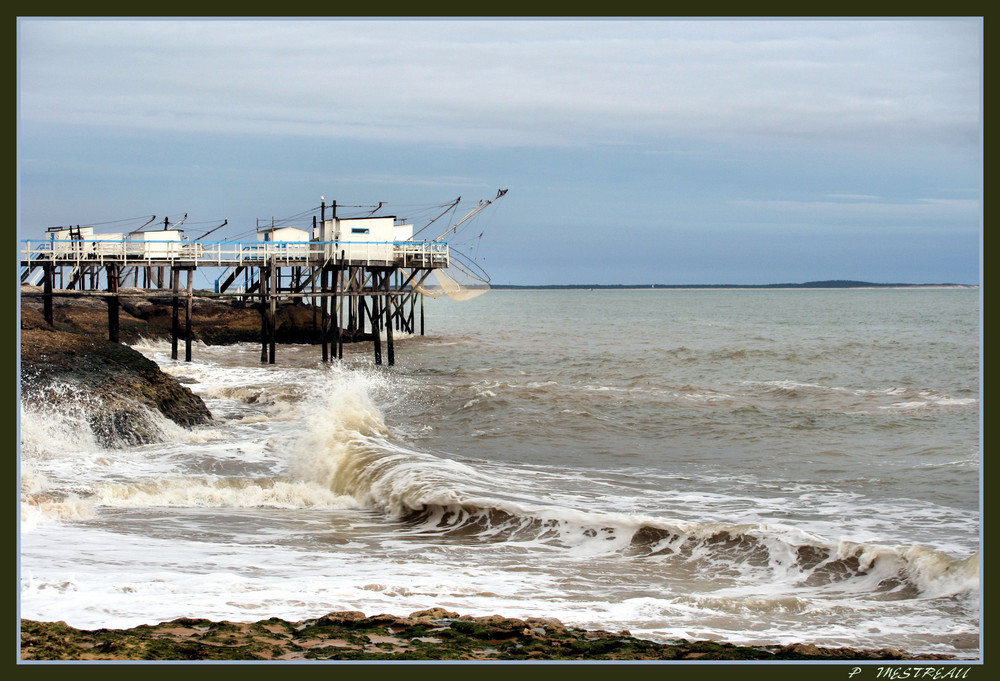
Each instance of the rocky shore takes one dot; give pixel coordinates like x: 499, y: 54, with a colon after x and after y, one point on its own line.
x: 433, y: 634
x: 71, y: 363
x: 72, y: 358
x: 214, y: 321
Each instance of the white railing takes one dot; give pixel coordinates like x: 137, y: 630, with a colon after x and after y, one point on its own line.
x: 100, y: 252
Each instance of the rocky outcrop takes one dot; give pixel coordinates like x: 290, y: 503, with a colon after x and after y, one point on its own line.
x: 120, y: 385
x: 213, y: 321
x: 434, y: 634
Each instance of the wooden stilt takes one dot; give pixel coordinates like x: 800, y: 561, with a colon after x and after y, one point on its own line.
x: 325, y: 303
x: 175, y: 325
x: 351, y: 304
x: 262, y: 280
x: 335, y: 302
x: 395, y: 314
x: 355, y: 308
x: 421, y: 314
x: 362, y: 312
x: 376, y: 336
x: 188, y: 335
x: 388, y: 320
x: 47, y: 291
x: 341, y: 300
x: 313, y: 299
x: 112, y: 271
x: 273, y: 313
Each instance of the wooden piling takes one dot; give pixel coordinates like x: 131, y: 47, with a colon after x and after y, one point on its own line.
x: 175, y: 324
x: 325, y: 305
x: 113, y: 303
x: 374, y: 318
x: 362, y: 312
x: 356, y: 310
x: 313, y: 299
x: 47, y: 293
x: 398, y: 287
x: 262, y: 281
x: 342, y: 286
x: 388, y: 321
x: 188, y: 335
x: 336, y: 304
x: 272, y: 309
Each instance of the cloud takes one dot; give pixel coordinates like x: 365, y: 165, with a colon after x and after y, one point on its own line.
x: 511, y: 83
x: 415, y: 180
x: 922, y: 215
x: 854, y: 197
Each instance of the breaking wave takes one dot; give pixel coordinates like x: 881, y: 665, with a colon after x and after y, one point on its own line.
x: 41, y: 505
x: 67, y: 416
x: 346, y: 447
x: 342, y: 454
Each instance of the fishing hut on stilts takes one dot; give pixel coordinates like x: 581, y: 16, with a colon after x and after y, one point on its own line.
x: 365, y: 277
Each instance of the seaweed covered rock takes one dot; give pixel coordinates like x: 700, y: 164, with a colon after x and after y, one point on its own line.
x: 213, y: 321
x: 422, y: 636
x: 117, y: 386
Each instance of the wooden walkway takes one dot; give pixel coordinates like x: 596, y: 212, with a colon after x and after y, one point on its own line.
x: 354, y: 283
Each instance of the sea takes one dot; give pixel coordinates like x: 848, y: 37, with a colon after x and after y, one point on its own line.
x: 753, y: 466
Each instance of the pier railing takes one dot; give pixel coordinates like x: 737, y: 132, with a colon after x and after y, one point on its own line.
x: 100, y: 252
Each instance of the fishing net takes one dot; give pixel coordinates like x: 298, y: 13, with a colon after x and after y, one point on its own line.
x: 461, y: 280
x: 464, y: 278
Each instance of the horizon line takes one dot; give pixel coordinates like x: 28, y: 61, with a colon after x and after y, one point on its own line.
x: 830, y: 283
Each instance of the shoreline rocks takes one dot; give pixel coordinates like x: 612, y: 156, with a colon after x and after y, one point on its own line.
x: 116, y: 386
x: 433, y: 634
x: 214, y: 321
x: 70, y: 366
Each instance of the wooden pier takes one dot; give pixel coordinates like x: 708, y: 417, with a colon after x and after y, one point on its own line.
x: 361, y: 273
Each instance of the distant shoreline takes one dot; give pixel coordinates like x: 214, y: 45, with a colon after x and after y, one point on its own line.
x: 832, y: 284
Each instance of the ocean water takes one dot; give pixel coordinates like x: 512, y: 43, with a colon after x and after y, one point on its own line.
x: 751, y: 466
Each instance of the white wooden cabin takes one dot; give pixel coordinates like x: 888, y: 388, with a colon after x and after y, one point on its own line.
x: 69, y: 239
x: 164, y: 243
x: 282, y: 234
x: 288, y: 241
x: 363, y: 239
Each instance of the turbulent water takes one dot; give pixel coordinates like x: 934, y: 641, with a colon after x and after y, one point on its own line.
x: 753, y: 466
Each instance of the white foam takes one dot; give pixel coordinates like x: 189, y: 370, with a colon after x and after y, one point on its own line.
x: 39, y: 505
x: 221, y: 492
x: 50, y: 431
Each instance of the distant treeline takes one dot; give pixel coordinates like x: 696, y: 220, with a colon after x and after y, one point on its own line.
x: 831, y: 283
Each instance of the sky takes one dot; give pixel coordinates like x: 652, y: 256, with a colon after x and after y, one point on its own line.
x: 651, y: 151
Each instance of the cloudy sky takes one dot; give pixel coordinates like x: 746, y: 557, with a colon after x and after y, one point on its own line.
x: 649, y: 151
